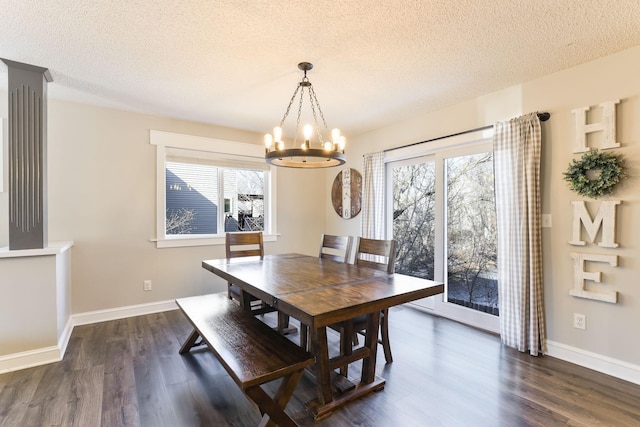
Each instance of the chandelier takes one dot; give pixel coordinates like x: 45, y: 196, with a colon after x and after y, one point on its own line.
x: 301, y: 155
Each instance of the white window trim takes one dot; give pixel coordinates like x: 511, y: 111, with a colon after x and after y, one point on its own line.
x: 223, y: 149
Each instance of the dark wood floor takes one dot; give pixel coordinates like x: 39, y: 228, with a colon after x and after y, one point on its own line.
x: 128, y: 372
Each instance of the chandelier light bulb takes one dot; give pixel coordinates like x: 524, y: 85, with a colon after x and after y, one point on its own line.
x: 342, y: 142
x: 328, y: 146
x: 308, y: 131
x: 268, y: 141
x: 280, y: 145
x: 277, y: 133
x: 335, y: 135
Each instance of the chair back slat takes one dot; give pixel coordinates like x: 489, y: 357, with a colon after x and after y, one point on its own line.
x: 244, y: 244
x: 379, y: 248
x: 337, y: 248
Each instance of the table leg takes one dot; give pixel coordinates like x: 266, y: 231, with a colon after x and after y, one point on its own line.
x: 346, y: 344
x: 320, y: 349
x: 325, y: 403
x: 245, y: 300
x: 304, y: 336
x: 371, y: 342
x: 284, y: 327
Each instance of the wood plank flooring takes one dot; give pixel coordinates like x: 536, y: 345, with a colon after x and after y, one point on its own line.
x: 129, y: 373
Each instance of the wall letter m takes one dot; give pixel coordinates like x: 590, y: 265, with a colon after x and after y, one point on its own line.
x: 605, y: 218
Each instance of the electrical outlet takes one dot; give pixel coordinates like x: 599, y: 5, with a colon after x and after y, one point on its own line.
x: 146, y: 285
x: 546, y: 220
x: 579, y: 321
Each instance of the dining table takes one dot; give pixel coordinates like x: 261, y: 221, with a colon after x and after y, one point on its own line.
x: 318, y: 293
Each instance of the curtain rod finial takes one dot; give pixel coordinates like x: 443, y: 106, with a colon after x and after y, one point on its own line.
x: 544, y: 116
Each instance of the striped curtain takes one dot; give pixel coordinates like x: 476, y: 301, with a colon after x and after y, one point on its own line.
x: 517, y: 145
x: 372, y: 223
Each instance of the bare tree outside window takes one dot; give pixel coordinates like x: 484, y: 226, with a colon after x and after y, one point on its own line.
x: 180, y: 221
x: 471, y: 232
x: 250, y: 181
x: 414, y: 219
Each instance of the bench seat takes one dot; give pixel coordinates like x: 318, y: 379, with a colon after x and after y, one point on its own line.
x: 249, y: 350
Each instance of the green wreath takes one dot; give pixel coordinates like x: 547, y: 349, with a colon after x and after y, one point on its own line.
x: 595, y: 174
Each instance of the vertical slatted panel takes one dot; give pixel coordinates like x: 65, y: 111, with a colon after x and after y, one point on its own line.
x: 26, y: 151
x: 27, y: 155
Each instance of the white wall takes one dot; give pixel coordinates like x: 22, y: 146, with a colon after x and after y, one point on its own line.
x: 610, y: 327
x: 102, y: 197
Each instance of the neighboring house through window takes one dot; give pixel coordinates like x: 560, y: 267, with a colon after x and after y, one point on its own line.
x: 207, y: 187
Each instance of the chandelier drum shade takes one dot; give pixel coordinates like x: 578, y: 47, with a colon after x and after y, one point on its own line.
x: 324, y: 153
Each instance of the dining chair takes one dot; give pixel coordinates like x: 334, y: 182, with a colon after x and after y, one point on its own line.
x: 337, y: 248
x: 244, y: 245
x: 380, y: 255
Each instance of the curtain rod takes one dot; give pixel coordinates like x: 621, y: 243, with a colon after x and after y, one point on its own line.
x: 542, y: 116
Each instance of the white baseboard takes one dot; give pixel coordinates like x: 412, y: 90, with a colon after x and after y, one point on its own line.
x: 46, y: 355
x: 607, y: 365
x: 29, y: 359
x: 98, y: 316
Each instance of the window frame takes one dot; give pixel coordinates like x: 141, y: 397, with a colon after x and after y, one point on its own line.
x: 223, y: 153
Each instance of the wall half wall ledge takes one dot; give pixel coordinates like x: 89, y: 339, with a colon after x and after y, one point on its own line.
x: 54, y: 248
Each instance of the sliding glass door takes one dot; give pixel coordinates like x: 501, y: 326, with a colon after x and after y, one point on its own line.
x: 441, y: 212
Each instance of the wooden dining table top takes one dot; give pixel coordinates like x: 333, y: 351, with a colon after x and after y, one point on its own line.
x: 319, y: 291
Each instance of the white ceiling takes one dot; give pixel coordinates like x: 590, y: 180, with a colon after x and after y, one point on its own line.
x: 234, y: 63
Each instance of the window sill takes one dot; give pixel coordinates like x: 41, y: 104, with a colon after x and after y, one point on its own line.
x: 180, y: 242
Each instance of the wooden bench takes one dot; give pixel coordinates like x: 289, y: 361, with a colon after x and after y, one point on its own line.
x: 251, y: 352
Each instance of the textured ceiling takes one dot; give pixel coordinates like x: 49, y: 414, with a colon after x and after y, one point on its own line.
x: 234, y: 63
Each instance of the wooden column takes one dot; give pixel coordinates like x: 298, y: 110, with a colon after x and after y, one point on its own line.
x: 27, y: 155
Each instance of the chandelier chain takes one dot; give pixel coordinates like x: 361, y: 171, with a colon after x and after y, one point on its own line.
x: 315, y: 98
x: 286, y: 113
x: 315, y: 117
x: 295, y: 136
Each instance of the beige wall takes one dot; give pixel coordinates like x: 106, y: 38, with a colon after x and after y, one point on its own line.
x: 610, y: 327
x: 102, y: 186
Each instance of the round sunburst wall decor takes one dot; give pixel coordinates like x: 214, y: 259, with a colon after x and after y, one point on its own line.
x: 595, y: 174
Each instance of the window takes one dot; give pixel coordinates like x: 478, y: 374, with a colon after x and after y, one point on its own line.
x: 202, y: 199
x: 441, y: 212
x: 203, y: 193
